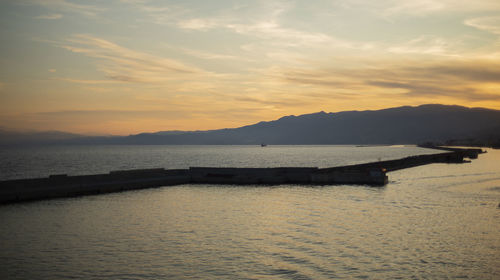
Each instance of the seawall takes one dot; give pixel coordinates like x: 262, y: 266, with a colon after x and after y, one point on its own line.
x: 373, y: 174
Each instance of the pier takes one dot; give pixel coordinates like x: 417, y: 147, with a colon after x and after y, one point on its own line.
x: 373, y: 174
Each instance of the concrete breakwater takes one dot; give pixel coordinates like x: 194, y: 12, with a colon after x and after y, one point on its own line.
x: 373, y: 173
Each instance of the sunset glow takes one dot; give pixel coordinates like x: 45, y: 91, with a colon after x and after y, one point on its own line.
x: 130, y: 66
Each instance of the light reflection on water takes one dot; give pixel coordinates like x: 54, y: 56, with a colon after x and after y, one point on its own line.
x: 32, y: 162
x: 435, y: 221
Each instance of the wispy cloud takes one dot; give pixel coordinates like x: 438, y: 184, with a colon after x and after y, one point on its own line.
x: 419, y: 8
x: 272, y: 30
x: 472, y: 80
x: 424, y: 44
x: 489, y: 24
x: 50, y: 16
x: 65, y: 6
x: 392, y: 8
x: 288, y: 102
x: 210, y: 55
x: 87, y: 82
x: 164, y: 14
x: 98, y: 114
x: 126, y: 65
x: 263, y: 22
x: 199, y: 23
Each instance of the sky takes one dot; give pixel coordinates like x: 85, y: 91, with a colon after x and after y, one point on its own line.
x: 127, y: 66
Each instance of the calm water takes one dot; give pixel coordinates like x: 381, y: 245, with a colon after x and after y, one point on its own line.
x: 32, y: 162
x: 435, y: 221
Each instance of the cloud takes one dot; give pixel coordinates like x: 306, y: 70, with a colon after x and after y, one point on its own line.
x: 472, y: 80
x: 489, y: 24
x: 470, y: 6
x: 423, y: 45
x: 65, y: 6
x: 198, y: 24
x: 278, y: 102
x: 210, y: 55
x: 394, y: 8
x: 50, y: 16
x: 125, y: 65
x: 272, y: 30
x: 120, y: 114
x: 420, y: 7
x: 87, y: 82
x: 164, y: 14
x: 265, y: 27
x: 263, y: 21
x: 474, y: 71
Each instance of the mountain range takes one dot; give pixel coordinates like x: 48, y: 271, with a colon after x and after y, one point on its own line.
x: 400, y: 125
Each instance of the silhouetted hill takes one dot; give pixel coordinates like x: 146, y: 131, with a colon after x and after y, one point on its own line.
x: 401, y: 125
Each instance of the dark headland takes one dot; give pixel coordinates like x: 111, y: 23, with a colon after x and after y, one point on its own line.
x: 373, y: 174
x: 446, y: 124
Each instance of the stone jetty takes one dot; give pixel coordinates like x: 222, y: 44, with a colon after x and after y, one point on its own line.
x: 373, y: 174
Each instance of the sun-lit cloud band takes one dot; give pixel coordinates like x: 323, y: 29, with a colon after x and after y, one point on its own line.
x: 121, y: 67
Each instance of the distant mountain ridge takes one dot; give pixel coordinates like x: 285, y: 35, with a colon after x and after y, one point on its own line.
x: 400, y: 125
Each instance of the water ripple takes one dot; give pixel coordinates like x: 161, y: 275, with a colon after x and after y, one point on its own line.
x: 421, y: 227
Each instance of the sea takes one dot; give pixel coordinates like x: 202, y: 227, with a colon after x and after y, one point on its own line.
x: 439, y: 221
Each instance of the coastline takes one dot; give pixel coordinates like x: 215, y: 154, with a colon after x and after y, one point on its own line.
x: 373, y: 174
